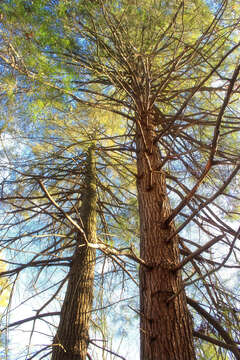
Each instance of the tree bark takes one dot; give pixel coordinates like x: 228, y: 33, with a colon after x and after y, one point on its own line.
x: 165, y: 325
x: 71, y: 340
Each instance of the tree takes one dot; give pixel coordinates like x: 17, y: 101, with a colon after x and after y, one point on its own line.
x: 50, y: 190
x: 163, y: 79
x: 72, y: 338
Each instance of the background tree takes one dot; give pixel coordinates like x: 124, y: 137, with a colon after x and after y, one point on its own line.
x: 56, y: 161
x: 72, y: 338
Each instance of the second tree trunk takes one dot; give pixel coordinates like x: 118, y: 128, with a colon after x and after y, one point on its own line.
x: 72, y: 338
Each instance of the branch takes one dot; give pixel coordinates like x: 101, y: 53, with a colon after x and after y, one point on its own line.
x: 49, y: 262
x: 32, y: 318
x: 212, y: 340
x: 198, y: 252
x: 213, y: 149
x: 216, y: 326
x: 209, y: 201
x: 108, y: 350
x: 62, y: 211
x: 118, y: 252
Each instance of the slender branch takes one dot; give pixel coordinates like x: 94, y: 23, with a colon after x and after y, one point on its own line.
x: 209, y: 201
x: 198, y: 252
x: 216, y: 326
x: 62, y: 211
x: 118, y: 252
x: 210, y: 339
x: 32, y: 318
x: 51, y: 262
x: 213, y: 148
x: 108, y: 350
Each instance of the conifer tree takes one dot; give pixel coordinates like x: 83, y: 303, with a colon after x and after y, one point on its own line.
x: 172, y: 72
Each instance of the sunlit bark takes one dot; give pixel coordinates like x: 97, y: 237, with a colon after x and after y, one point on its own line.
x: 165, y: 327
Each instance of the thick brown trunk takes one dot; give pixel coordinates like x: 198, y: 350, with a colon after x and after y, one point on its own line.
x: 165, y: 325
x: 71, y: 340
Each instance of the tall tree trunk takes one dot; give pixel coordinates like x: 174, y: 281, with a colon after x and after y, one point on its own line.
x: 71, y: 340
x: 165, y: 326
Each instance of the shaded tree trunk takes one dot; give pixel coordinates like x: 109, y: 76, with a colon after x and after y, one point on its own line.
x: 165, y: 326
x: 71, y: 340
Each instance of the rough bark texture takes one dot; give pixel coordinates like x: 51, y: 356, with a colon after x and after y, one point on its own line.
x: 165, y: 326
x: 71, y: 340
